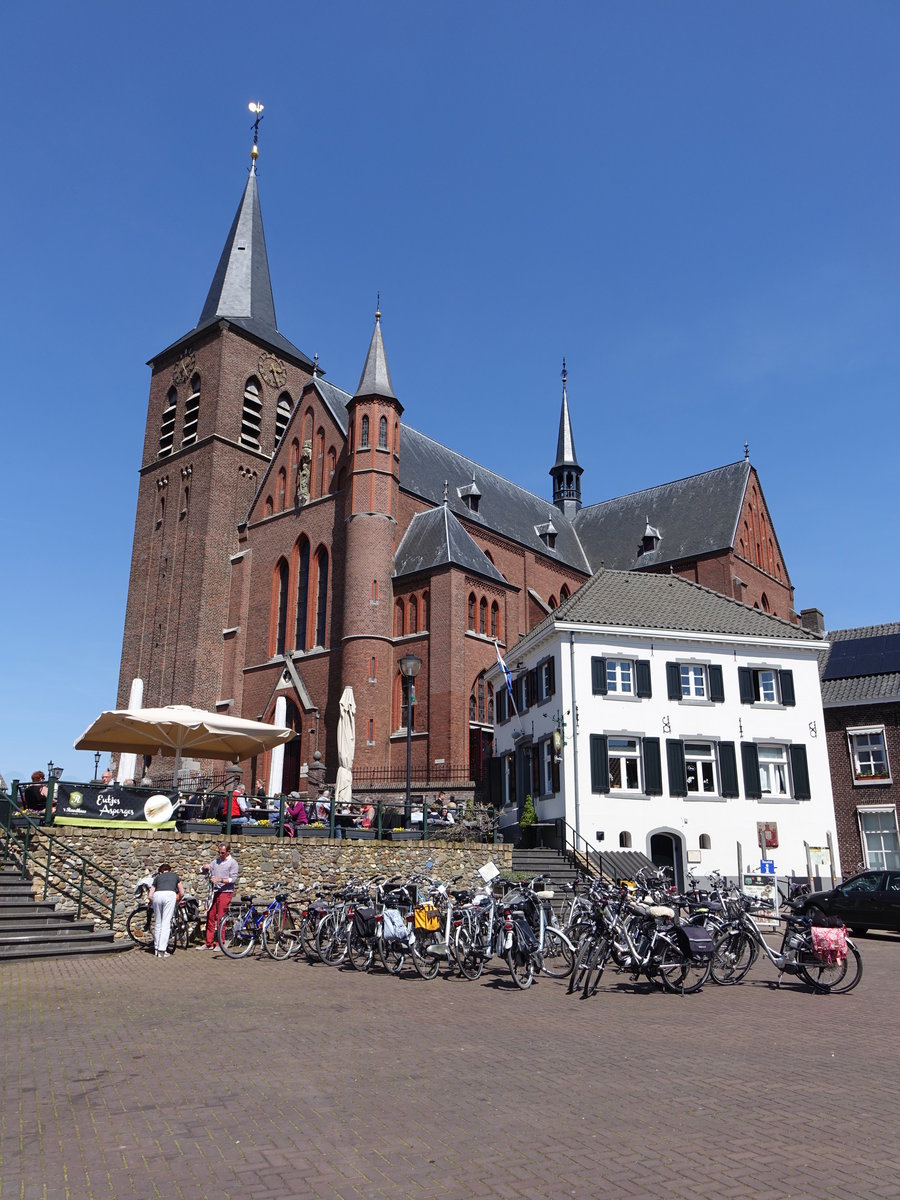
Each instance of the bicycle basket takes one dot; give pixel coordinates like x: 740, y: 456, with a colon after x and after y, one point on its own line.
x: 694, y: 941
x: 427, y: 917
x: 364, y: 922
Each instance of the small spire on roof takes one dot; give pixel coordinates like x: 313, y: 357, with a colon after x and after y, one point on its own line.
x: 746, y: 451
x: 255, y: 107
x: 378, y: 307
x: 316, y: 365
x: 446, y: 485
x: 563, y: 371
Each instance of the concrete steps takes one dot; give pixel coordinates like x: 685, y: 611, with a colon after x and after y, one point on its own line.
x: 31, y: 928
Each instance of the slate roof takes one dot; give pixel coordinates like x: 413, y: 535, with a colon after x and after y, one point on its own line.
x: 436, y: 538
x: 695, y: 516
x: 882, y: 688
x: 634, y: 599
x: 241, y: 290
x: 376, y: 376
x: 565, y: 442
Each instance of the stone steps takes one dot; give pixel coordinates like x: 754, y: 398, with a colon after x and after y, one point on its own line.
x: 31, y: 928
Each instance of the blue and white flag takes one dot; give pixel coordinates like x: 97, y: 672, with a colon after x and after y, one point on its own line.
x: 504, y: 668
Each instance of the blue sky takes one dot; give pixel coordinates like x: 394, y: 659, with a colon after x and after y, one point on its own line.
x: 696, y: 204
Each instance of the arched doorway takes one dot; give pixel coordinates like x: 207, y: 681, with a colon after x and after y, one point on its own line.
x: 293, y: 750
x: 667, y: 850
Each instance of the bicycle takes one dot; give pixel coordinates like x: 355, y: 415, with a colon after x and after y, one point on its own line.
x: 738, y: 948
x: 274, y: 927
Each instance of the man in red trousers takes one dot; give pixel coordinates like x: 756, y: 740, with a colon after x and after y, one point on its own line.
x: 223, y: 872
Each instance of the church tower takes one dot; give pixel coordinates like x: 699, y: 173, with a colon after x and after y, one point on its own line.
x: 565, y: 472
x: 373, y: 485
x: 220, y: 398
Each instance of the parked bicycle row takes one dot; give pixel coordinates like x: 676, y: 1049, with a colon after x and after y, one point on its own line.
x: 644, y: 928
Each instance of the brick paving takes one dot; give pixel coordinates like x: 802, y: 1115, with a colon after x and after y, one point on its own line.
x: 131, y: 1078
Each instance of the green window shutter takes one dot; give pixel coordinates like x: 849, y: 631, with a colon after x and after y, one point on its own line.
x: 745, y: 683
x: 642, y: 680
x: 599, y: 764
x: 551, y: 678
x: 677, y: 773
x: 495, y: 781
x: 786, y: 684
x: 598, y: 676
x: 800, y: 773
x: 728, y: 770
x: 652, y: 767
x: 716, y: 684
x: 750, y: 760
x: 673, y: 680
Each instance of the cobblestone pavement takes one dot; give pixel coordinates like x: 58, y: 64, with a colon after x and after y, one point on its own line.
x: 197, y: 1077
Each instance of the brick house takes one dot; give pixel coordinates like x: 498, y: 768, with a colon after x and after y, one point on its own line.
x: 293, y: 538
x: 861, y: 699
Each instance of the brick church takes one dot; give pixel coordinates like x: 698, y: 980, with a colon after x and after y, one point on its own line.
x: 293, y: 538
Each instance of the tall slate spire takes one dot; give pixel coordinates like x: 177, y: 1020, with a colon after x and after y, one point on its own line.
x: 376, y: 378
x: 241, y: 287
x: 565, y: 472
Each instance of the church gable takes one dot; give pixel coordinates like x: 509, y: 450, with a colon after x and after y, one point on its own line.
x: 755, y: 540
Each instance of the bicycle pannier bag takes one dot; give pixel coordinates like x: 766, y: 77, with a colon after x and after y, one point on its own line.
x: 427, y: 917
x: 829, y: 945
x: 364, y: 922
x: 694, y: 941
x: 394, y: 926
x: 527, y: 942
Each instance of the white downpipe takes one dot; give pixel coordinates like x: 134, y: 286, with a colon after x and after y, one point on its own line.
x: 574, y: 737
x: 128, y: 762
x: 276, y: 763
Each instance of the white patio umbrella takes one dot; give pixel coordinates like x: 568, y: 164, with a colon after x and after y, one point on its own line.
x: 346, y: 743
x: 178, y: 728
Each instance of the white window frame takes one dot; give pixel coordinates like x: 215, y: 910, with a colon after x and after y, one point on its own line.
x: 701, y: 754
x: 546, y: 752
x: 544, y: 670
x: 625, y: 757
x: 759, y: 674
x: 871, y: 861
x: 620, y: 677
x: 860, y: 778
x: 694, y: 681
x: 774, y: 761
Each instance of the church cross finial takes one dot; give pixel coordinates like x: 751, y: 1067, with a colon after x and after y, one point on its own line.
x: 563, y: 372
x: 746, y: 451
x: 316, y: 365
x: 446, y: 486
x: 378, y: 307
x: 255, y: 107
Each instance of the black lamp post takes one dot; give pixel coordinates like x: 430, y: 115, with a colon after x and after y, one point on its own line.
x: 410, y: 665
x: 96, y: 764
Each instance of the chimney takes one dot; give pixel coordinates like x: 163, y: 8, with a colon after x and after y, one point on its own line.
x: 813, y: 619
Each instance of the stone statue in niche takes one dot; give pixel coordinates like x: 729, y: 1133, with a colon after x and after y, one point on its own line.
x: 303, y: 467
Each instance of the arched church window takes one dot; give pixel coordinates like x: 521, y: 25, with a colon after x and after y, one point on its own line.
x: 191, y: 414
x: 281, y: 490
x: 382, y: 434
x: 364, y: 434
x: 167, y: 427
x: 471, y: 613
x: 424, y: 612
x: 321, y: 596
x: 282, y: 415
x: 564, y: 593
x: 398, y: 618
x: 251, y: 415
x: 281, y: 584
x: 413, y: 623
x: 482, y: 615
x: 301, y: 634
x: 495, y: 620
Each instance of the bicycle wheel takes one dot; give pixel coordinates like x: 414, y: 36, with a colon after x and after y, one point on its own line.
x: 853, y: 974
x: 521, y: 968
x: 392, y: 954
x: 734, y: 953
x: 467, y: 951
x: 331, y: 940
x: 427, y: 965
x: 280, y: 938
x: 583, y: 954
x: 360, y: 952
x: 140, y: 926
x: 820, y: 976
x: 597, y: 961
x: 558, y: 958
x: 680, y: 974
x: 236, y: 935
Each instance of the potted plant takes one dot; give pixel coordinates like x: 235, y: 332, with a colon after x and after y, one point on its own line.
x: 526, y: 821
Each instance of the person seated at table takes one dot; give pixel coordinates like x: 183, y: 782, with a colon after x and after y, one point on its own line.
x: 294, y: 813
x: 323, y: 807
x: 273, y: 809
x: 34, y: 797
x: 365, y: 818
x: 447, y: 816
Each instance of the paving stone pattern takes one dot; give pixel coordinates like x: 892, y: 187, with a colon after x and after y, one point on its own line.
x: 130, y: 1078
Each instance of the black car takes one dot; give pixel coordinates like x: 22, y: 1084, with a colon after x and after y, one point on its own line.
x: 867, y: 901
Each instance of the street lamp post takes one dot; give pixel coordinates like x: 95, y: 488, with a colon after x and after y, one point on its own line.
x: 410, y: 665
x: 96, y: 764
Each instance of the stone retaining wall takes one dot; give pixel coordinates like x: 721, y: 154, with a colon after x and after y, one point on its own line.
x: 268, y: 861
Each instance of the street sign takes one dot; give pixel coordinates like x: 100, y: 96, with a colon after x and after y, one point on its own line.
x: 767, y: 867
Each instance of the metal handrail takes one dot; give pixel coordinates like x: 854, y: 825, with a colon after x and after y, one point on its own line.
x: 583, y: 853
x: 27, y: 843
